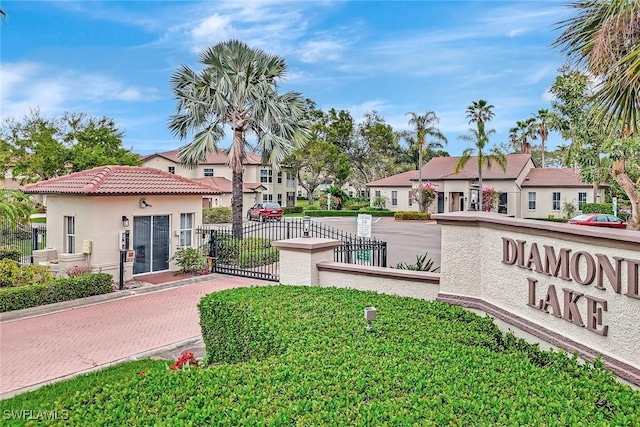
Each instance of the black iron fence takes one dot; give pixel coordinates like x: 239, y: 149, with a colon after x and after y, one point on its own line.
x: 25, y: 238
x: 252, y: 255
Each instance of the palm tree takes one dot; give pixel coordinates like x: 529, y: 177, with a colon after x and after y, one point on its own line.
x: 480, y: 112
x: 237, y: 87
x: 15, y: 207
x: 542, y: 123
x: 605, y: 36
x: 521, y: 133
x: 425, y: 126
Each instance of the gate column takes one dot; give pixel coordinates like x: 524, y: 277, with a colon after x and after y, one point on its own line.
x: 299, y: 257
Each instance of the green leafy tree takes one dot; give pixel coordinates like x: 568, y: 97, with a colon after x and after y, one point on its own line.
x: 39, y: 148
x: 15, y: 207
x: 480, y: 112
x: 320, y: 159
x: 604, y: 37
x: 425, y: 126
x: 238, y: 87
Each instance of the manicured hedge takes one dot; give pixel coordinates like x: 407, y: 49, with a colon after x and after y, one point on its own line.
x: 65, y: 289
x: 292, y: 209
x: 10, y: 252
x: 420, y: 216
x: 219, y: 215
x: 554, y: 219
x: 308, y: 361
x: 372, y: 212
x: 603, y: 208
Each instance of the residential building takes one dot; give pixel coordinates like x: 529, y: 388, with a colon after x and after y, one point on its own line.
x: 524, y: 190
x: 262, y: 183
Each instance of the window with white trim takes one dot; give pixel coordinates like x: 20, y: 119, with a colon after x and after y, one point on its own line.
x: 267, y: 197
x: 556, y: 201
x: 582, y: 199
x: 266, y: 175
x: 208, y: 171
x: 410, y: 199
x: 394, y: 198
x: 70, y: 234
x: 280, y: 177
x: 532, y: 201
x: 172, y: 169
x: 186, y: 229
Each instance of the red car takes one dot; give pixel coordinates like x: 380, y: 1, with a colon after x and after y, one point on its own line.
x: 264, y: 211
x: 598, y: 220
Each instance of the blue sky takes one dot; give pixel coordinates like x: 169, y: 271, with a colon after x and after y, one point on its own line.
x: 115, y: 59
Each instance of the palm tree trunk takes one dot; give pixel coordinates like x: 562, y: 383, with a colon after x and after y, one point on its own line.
x: 480, y: 191
x: 630, y: 188
x: 542, y: 148
x: 420, y: 209
x: 236, y: 184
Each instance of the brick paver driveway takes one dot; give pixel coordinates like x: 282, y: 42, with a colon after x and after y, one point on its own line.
x: 43, y: 348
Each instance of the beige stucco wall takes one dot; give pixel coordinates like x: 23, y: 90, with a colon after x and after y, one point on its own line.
x: 99, y: 219
x: 403, y: 198
x: 472, y: 266
x: 544, y: 200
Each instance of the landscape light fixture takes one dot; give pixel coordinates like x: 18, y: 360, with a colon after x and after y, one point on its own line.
x: 125, y: 221
x: 306, y: 226
x: 370, y: 314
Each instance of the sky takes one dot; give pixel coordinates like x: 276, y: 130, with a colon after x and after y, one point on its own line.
x: 116, y: 58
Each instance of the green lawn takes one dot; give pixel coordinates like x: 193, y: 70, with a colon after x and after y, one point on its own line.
x: 285, y: 355
x: 40, y: 220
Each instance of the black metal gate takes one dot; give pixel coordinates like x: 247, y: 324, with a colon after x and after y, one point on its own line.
x: 25, y: 238
x: 253, y: 256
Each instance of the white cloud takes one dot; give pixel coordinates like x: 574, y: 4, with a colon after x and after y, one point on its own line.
x: 516, y: 32
x: 27, y: 85
x: 212, y: 29
x: 321, y: 50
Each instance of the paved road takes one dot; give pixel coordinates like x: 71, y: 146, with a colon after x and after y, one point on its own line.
x: 405, y: 239
x: 47, y: 347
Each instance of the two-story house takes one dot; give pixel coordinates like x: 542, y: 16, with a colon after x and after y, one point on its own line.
x: 261, y: 182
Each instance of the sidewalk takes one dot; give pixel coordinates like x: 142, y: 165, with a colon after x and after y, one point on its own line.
x: 47, y: 346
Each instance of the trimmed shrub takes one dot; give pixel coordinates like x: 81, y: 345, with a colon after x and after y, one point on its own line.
x: 372, y: 212
x: 602, y: 208
x: 292, y: 209
x: 64, y: 289
x: 234, y: 331
x: 219, y: 215
x: 10, y: 252
x: 311, y: 363
x: 256, y: 251
x: 356, y: 205
x: 409, y: 215
x: 191, y: 260
x: 13, y: 274
x: 550, y: 219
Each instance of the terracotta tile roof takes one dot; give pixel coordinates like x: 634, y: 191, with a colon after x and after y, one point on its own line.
x: 219, y: 158
x: 120, y: 180
x: 441, y: 168
x: 225, y: 186
x: 554, y: 177
x: 400, y: 180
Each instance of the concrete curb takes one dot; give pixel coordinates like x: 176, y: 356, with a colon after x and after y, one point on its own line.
x: 143, y: 355
x: 97, y: 299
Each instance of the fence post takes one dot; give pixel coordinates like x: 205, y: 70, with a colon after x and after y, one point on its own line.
x: 34, y: 241
x: 288, y: 230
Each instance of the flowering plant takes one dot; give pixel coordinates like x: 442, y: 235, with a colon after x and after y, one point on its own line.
x: 186, y: 359
x: 424, y: 196
x: 489, y: 199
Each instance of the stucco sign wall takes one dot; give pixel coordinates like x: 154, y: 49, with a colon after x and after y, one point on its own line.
x: 573, y: 286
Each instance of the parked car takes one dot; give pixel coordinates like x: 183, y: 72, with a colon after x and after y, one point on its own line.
x: 598, y: 220
x: 264, y: 211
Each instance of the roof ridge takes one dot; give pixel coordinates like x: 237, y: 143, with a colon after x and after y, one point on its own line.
x: 98, y: 179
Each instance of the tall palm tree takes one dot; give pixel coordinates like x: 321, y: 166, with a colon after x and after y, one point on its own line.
x: 542, y: 121
x: 425, y: 126
x: 521, y: 133
x: 480, y: 112
x: 237, y: 87
x: 605, y: 36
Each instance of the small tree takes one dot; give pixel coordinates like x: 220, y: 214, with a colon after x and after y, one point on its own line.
x: 569, y: 209
x: 424, y: 196
x: 380, y: 202
x: 489, y: 199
